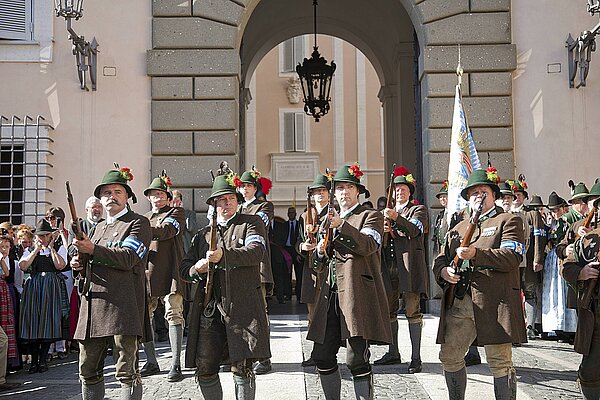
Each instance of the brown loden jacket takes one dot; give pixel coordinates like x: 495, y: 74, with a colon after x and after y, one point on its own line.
x: 116, y: 304
x: 495, y: 283
x: 362, y: 298
x: 266, y: 211
x: 237, y: 281
x: 166, y: 252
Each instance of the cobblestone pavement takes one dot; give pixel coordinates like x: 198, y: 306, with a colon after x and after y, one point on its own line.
x: 546, y: 370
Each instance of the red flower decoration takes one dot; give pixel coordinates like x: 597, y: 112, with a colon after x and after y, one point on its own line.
x: 236, y: 181
x: 167, y: 180
x: 126, y: 174
x: 524, y: 185
x: 233, y: 179
x: 445, y: 185
x: 401, y: 171
x: 265, y: 185
x: 355, y: 171
x: 492, y: 175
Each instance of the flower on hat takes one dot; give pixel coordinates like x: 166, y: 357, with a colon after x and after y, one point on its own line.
x: 409, y: 178
x: 167, y: 180
x: 492, y: 175
x: 329, y: 175
x: 355, y: 171
x: 126, y: 174
x: 233, y: 179
x: 265, y: 185
x: 255, y: 174
x: 445, y: 185
x: 401, y: 171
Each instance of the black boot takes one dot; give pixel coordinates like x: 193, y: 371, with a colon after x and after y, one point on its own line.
x: 590, y: 393
x: 34, y: 351
x: 393, y: 355
x: 43, y: 356
x: 472, y: 357
x: 456, y: 382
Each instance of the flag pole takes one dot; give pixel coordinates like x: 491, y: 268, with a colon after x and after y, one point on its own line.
x: 459, y: 74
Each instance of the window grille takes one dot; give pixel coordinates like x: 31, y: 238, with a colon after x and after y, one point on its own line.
x: 24, y: 168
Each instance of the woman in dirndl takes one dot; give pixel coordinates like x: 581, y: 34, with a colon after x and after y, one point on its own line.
x: 7, y: 312
x: 42, y: 305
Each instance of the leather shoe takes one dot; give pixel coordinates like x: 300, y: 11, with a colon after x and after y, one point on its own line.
x: 388, y: 359
x: 471, y: 359
x: 43, y: 367
x: 9, y: 386
x: 308, y: 363
x: 33, y: 368
x: 175, y: 374
x: 415, y: 367
x: 262, y: 367
x: 149, y: 369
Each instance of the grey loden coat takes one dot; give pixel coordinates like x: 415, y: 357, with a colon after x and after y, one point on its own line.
x: 166, y: 251
x: 246, y: 323
x: 409, y: 249
x: 266, y: 211
x: 495, y: 284
x: 116, y: 304
x: 362, y: 298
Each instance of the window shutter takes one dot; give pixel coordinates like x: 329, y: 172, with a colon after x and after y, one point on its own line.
x: 288, y: 55
x: 298, y: 50
x: 288, y: 131
x: 300, y: 132
x: 15, y: 19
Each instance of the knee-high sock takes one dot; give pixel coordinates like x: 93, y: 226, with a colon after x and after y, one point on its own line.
x: 211, y: 388
x: 415, y: 339
x: 176, y: 339
x: 331, y: 384
x: 150, y: 351
x: 456, y: 382
x: 393, y: 347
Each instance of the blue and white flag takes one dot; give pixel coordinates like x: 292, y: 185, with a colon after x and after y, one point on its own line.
x: 463, y: 157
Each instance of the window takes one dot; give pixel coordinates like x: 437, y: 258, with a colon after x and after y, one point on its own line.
x: 24, y: 169
x: 292, y: 53
x: 294, y: 132
x: 16, y: 20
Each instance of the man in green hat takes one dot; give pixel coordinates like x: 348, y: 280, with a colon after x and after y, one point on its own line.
x: 507, y: 197
x: 533, y: 262
x: 115, y: 308
x: 440, y: 226
x: 486, y: 306
x: 403, y: 258
x: 233, y: 325
x: 166, y: 286
x: 579, y: 194
x: 251, y: 183
x: 318, y: 192
x: 580, y: 270
x: 351, y: 306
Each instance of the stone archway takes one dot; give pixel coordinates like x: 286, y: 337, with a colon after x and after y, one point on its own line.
x: 197, y: 69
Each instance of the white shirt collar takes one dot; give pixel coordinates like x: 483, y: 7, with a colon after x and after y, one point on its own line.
x: 400, y: 207
x: 348, y: 211
x: 247, y: 203
x: 110, y: 220
x: 223, y: 222
x: 517, y: 209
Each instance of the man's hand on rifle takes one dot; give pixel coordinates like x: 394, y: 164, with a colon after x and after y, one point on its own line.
x: 569, y: 250
x: 335, y: 219
x: 537, y: 267
x: 201, y: 267
x: 590, y: 271
x: 307, y: 246
x: 214, y: 256
x: 390, y: 214
x: 448, y: 275
x: 85, y: 245
x: 582, y: 230
x: 75, y: 263
x: 466, y: 253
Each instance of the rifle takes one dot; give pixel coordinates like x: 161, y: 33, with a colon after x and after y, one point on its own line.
x: 588, y: 221
x: 84, y: 277
x: 388, y: 204
x: 310, y: 220
x: 328, y: 242
x: 450, y: 292
x: 212, y: 246
x: 589, y: 287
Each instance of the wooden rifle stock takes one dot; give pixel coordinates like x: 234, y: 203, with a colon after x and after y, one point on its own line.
x: 450, y: 292
x: 309, y: 220
x: 588, y: 220
x: 84, y: 259
x: 389, y: 203
x: 211, y: 266
x: 328, y: 241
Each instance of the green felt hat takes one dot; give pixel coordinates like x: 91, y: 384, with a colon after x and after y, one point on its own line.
x: 443, y: 190
x: 506, y: 189
x: 225, y: 184
x: 321, y: 181
x: 162, y: 182
x: 352, y: 174
x: 536, y: 201
x: 595, y: 190
x: 482, y: 177
x: 403, y: 176
x: 118, y: 176
x: 579, y: 191
x: 519, y: 185
x: 251, y: 176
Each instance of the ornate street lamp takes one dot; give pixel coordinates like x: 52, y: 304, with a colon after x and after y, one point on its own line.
x: 85, y: 52
x: 315, y: 78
